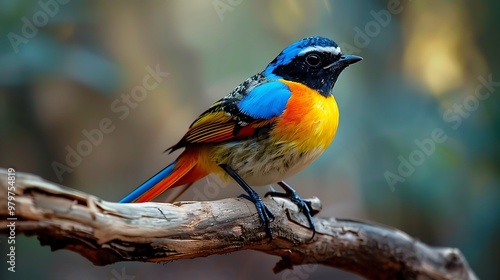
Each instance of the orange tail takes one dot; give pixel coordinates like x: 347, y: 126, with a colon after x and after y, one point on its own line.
x: 182, y: 171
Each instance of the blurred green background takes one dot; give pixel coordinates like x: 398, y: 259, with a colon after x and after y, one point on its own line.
x: 428, y: 66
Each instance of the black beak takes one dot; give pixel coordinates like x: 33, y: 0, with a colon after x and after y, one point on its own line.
x: 349, y: 59
x: 344, y: 61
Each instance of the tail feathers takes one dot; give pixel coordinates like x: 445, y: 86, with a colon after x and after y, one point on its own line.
x: 166, y: 178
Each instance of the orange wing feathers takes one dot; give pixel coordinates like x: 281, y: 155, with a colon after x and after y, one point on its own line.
x: 217, y: 127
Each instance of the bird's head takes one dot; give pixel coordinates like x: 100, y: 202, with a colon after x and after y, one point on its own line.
x: 314, y: 61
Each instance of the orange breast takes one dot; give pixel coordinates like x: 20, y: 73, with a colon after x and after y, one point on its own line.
x: 310, y: 119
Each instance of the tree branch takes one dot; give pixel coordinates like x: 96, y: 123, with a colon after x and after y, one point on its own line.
x: 106, y: 232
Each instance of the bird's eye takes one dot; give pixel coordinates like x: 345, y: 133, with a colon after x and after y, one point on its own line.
x: 313, y: 59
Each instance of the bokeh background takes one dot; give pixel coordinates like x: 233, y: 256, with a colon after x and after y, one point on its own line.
x: 427, y: 65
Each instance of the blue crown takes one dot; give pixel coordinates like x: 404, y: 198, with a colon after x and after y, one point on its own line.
x: 294, y: 49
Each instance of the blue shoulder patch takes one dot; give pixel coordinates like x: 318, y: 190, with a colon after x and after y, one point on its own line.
x: 266, y: 101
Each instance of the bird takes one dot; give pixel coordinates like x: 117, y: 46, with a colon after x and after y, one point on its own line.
x: 270, y: 127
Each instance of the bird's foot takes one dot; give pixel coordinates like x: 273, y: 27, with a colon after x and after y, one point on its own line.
x: 265, y: 215
x: 303, y: 205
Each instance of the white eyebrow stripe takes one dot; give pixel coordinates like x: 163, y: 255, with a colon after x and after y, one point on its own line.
x: 333, y: 50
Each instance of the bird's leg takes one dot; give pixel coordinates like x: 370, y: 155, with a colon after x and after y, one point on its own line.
x: 303, y: 205
x: 265, y: 214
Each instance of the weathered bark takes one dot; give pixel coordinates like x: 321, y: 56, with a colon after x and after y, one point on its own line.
x: 106, y: 232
